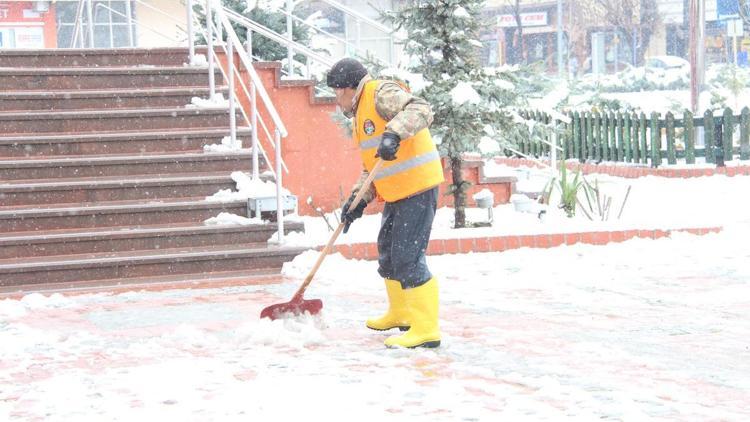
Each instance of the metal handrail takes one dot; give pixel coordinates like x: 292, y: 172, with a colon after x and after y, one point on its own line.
x: 90, y: 16
x: 77, y: 27
x: 245, y: 60
x: 231, y: 46
x: 269, y: 33
x: 249, y: 119
x: 280, y: 131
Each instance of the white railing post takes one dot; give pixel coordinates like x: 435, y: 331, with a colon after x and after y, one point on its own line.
x: 254, y: 129
x: 230, y: 75
x: 129, y: 19
x: 191, y: 36
x: 253, y: 109
x: 279, y: 205
x: 210, y: 43
x: 218, y: 25
x: 254, y: 77
x: 90, y: 16
x: 77, y: 28
x: 290, y: 36
x: 249, y: 42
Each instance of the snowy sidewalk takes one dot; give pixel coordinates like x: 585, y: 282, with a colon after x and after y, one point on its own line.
x: 641, y: 330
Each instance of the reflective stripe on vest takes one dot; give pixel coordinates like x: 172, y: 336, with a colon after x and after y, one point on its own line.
x: 370, y: 143
x: 408, y: 164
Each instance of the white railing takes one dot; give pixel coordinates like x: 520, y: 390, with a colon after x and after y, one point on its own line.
x: 79, y: 22
x: 220, y: 36
x: 279, y: 38
x: 218, y: 25
x: 233, y: 46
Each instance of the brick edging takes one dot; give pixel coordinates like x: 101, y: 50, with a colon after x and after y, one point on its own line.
x: 369, y: 251
x: 632, y: 172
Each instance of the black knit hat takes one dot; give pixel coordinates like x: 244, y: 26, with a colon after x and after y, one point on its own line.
x: 346, y: 73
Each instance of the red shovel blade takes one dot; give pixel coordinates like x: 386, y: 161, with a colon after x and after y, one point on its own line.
x: 296, y: 306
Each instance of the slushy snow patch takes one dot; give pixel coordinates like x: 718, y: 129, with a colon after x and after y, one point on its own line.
x: 217, y: 101
x: 233, y: 219
x: 199, y: 60
x: 247, y: 187
x: 484, y: 193
x: 226, y: 145
x: 34, y: 301
x: 294, y: 331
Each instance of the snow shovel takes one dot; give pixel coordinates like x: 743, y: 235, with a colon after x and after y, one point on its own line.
x: 299, y: 305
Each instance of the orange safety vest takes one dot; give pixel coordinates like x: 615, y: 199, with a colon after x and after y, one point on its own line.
x: 417, y: 166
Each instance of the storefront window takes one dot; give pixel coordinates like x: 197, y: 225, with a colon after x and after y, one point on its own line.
x: 490, y: 52
x: 110, y: 23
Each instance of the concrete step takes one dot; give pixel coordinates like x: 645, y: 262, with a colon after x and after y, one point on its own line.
x: 99, y: 57
x: 114, y: 214
x: 215, y: 279
x: 89, y: 99
x: 75, y: 78
x: 123, y: 165
x: 113, y: 188
x: 134, y: 264
x: 88, y: 241
x: 120, y: 142
x: 60, y: 122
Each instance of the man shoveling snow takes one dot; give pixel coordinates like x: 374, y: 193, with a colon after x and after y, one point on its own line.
x: 391, y: 124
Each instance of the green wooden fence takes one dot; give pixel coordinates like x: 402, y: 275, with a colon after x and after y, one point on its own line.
x: 649, y: 140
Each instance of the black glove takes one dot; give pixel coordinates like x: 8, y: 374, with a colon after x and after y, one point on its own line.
x: 349, y: 215
x: 388, y: 147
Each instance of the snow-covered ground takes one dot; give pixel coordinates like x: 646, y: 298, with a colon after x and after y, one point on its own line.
x: 638, y: 331
x: 649, y: 90
x: 653, y: 203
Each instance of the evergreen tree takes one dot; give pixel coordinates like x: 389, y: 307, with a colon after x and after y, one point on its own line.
x: 470, y: 102
x: 266, y: 14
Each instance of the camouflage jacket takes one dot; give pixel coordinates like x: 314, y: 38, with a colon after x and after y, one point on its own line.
x: 405, y: 113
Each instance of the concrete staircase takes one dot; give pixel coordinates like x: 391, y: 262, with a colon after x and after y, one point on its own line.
x: 103, y: 177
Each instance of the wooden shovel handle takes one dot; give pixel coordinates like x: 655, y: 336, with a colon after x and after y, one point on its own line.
x: 358, y: 197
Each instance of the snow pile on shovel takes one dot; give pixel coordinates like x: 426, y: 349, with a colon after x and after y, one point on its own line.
x: 295, y: 331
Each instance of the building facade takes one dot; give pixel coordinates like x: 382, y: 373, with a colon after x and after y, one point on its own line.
x: 115, y: 23
x: 592, y: 46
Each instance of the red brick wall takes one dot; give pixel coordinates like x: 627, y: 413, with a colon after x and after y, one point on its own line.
x: 47, y: 19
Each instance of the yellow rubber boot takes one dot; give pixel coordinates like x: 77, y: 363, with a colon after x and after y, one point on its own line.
x: 396, y: 316
x: 422, y: 305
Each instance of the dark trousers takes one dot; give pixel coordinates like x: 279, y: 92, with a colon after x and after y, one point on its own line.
x: 404, y: 235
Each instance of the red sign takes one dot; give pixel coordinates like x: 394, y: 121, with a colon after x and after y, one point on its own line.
x: 527, y: 19
x: 19, y: 11
x: 26, y: 24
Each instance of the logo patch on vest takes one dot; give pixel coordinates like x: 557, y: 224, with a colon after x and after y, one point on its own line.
x: 369, y: 127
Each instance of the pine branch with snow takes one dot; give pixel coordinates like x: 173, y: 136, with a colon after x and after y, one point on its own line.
x: 471, y: 104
